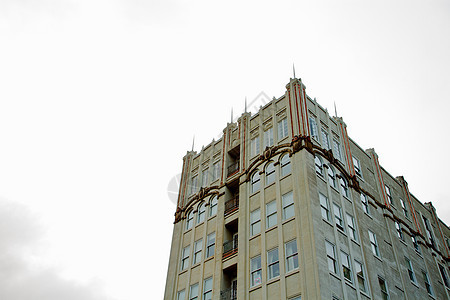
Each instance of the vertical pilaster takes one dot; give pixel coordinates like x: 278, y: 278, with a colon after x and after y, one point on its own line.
x: 405, y: 188
x: 347, y: 151
x: 298, y: 113
x: 185, y: 173
x: 379, y: 176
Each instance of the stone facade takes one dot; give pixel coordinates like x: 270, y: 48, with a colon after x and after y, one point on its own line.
x: 286, y: 206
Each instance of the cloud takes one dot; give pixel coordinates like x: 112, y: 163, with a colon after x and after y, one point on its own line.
x: 21, y: 241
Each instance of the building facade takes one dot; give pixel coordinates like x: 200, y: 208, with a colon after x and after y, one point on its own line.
x: 286, y: 206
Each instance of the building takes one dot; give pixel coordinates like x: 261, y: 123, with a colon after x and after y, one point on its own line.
x: 286, y: 206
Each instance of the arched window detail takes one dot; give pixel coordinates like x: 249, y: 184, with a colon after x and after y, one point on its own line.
x: 331, y: 176
x: 270, y: 173
x: 255, y: 181
x: 285, y: 165
x: 344, y: 186
x: 319, y: 165
x: 190, y: 220
x: 213, y: 206
x: 201, y: 213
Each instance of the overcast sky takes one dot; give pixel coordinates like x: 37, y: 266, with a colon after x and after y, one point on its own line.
x: 99, y: 101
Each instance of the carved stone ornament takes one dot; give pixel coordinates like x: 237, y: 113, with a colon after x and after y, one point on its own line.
x: 268, y: 153
x: 178, y: 213
x: 296, y: 144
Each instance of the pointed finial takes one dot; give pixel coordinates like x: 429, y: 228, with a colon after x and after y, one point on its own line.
x: 193, y: 140
x: 335, y: 110
x: 245, y: 104
x: 231, y: 115
x: 293, y: 68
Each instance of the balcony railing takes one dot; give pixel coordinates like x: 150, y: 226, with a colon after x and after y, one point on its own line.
x: 231, y: 205
x: 229, y: 294
x: 233, y: 168
x: 230, y: 247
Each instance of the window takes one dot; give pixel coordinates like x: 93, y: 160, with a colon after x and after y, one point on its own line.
x: 254, y: 146
x: 181, y: 295
x: 270, y: 173
x: 194, y: 184
x: 411, y: 274
x: 351, y: 227
x: 357, y: 166
x: 291, y: 255
x: 337, y: 150
x: 271, y: 214
x: 324, y: 208
x: 360, y: 277
x: 344, y: 186
x: 405, y: 211
x: 313, y: 128
x: 210, y: 244
x: 205, y: 178
x: 197, y: 251
x: 365, y: 203
x: 346, y: 270
x: 338, y: 216
x: 255, y: 270
x: 388, y: 194
x: 428, y: 230
x: 331, y: 257
x: 273, y: 264
x: 213, y: 206
x: 331, y: 176
x: 190, y: 220
x: 185, y: 257
x: 193, y: 292
x: 207, y: 289
x: 285, y: 163
x: 427, y: 282
x: 319, y: 166
x: 373, y: 243
x: 415, y: 244
x: 444, y: 276
x: 215, y: 173
x: 255, y: 222
x: 255, y: 181
x: 325, y: 142
x: 288, y: 205
x: 282, y: 129
x: 268, y: 137
x: 383, y: 289
x: 296, y: 298
x: 398, y: 228
x: 201, y: 213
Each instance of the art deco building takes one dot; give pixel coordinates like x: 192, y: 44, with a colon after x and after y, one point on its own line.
x: 286, y: 206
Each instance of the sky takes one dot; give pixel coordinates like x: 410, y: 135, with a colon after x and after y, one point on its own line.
x: 100, y: 100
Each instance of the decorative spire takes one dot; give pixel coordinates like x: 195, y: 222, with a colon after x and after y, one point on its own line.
x: 335, y: 110
x: 293, y: 68
x: 193, y: 140
x: 231, y: 115
x: 245, y: 104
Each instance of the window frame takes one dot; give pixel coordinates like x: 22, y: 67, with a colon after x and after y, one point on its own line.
x: 352, y: 227
x: 331, y: 174
x: 360, y: 276
x: 344, y: 186
x: 270, y: 214
x: 181, y: 295
x: 201, y: 213
x: 191, y: 288
x: 427, y: 282
x: 403, y: 205
x: 383, y: 288
x: 273, y: 267
x: 325, y: 140
x: 365, y: 203
x: 318, y: 163
x: 291, y: 256
x: 269, y: 175
x: 256, y: 222
x: 288, y: 208
x: 190, y: 220
x: 313, y: 128
x: 398, y: 229
x: 255, y: 182
x: 210, y: 245
x: 337, y: 150
x: 285, y: 165
x: 331, y: 257
x: 338, y: 218
x: 325, y: 209
x: 283, y: 131
x: 207, y: 294
x: 213, y: 202
x: 411, y: 274
x: 194, y: 184
x: 205, y: 177
x: 374, y: 243
x: 255, y: 273
x: 255, y: 148
x: 389, y: 195
x: 197, y: 255
x: 268, y: 137
x: 185, y: 254
x: 346, y: 266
